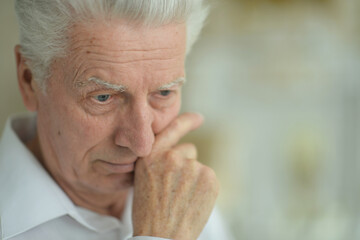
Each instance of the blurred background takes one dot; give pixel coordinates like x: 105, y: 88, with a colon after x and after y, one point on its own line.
x: 278, y: 84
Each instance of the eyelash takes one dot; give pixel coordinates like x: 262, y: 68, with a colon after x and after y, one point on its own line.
x: 109, y: 97
x: 93, y: 97
x: 167, y: 91
x: 167, y: 94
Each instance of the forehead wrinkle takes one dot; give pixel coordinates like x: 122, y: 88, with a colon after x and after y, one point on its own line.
x: 89, y: 44
x: 104, y: 53
x: 178, y: 81
x: 126, y: 61
x: 93, y: 44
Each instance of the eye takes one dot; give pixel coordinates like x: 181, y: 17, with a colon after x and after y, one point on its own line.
x: 102, y: 98
x: 165, y: 93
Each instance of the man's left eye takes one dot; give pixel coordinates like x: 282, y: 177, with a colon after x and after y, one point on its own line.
x: 165, y: 93
x: 102, y: 97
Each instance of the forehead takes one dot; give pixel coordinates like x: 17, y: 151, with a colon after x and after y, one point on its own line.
x: 126, y: 41
x: 120, y: 48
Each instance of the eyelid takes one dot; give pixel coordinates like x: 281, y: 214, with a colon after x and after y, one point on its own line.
x: 162, y: 90
x: 96, y: 95
x: 168, y: 95
x: 93, y: 97
x: 102, y: 91
x: 174, y: 87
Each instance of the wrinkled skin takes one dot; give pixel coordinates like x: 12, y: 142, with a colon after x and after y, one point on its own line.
x: 96, y: 141
x: 179, y: 192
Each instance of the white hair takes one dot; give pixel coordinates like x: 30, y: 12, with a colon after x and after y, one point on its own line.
x: 44, y: 24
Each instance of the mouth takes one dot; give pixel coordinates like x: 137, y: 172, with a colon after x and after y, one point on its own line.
x: 116, y: 167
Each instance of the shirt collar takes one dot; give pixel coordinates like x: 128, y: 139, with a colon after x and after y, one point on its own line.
x: 29, y: 196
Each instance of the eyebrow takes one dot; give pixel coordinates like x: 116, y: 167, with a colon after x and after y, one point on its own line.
x: 98, y: 81
x: 177, y: 82
x: 122, y: 88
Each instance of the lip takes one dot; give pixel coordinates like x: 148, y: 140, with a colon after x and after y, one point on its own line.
x: 116, y: 167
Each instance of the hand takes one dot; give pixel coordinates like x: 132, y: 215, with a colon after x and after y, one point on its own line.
x: 174, y: 194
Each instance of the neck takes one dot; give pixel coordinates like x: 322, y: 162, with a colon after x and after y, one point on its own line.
x: 106, y: 204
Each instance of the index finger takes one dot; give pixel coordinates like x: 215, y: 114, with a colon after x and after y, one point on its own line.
x: 178, y: 128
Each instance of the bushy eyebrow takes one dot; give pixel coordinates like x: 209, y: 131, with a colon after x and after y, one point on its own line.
x: 98, y: 81
x: 178, y: 82
x: 121, y: 88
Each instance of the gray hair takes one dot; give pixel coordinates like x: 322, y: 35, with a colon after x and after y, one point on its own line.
x: 44, y: 23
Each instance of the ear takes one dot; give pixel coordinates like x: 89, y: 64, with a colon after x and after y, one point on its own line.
x: 26, y: 82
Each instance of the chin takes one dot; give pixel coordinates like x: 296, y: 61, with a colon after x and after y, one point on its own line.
x: 115, y: 183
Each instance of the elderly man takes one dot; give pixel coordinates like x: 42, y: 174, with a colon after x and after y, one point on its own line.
x: 99, y: 158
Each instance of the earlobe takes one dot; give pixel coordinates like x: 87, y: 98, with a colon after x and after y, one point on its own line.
x: 26, y: 82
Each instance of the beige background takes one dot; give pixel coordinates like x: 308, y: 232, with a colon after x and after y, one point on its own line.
x: 10, y: 100
x: 278, y: 83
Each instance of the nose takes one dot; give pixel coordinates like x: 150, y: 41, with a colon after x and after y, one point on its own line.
x: 135, y: 130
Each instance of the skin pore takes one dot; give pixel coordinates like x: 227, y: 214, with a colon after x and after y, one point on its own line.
x: 90, y: 133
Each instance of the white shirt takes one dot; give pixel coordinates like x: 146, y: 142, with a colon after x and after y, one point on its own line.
x: 33, y: 206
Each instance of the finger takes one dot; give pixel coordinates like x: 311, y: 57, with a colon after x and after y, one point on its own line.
x: 186, y: 151
x: 178, y: 128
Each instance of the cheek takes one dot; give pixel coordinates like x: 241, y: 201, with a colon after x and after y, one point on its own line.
x: 163, y: 118
x: 82, y: 131
x: 69, y: 132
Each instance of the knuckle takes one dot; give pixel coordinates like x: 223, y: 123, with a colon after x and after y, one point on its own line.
x: 190, y: 150
x: 176, y: 123
x: 208, y: 173
x: 209, y: 180
x: 190, y: 164
x: 171, y: 155
x: 191, y: 146
x: 172, y: 158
